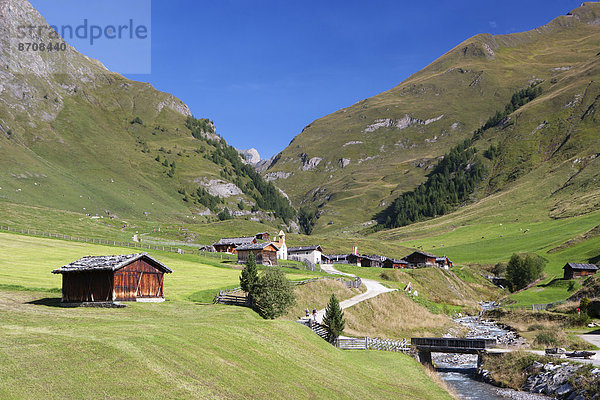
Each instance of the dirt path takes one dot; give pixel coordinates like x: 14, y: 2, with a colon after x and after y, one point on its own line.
x: 374, y: 288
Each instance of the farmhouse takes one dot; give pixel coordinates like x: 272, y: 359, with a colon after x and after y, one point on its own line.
x: 228, y: 245
x: 573, y: 270
x: 133, y: 277
x: 392, y: 263
x: 264, y: 253
x: 312, y: 254
x: 421, y: 259
x: 443, y: 262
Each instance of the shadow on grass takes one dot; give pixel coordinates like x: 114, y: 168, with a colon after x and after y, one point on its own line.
x: 47, y: 301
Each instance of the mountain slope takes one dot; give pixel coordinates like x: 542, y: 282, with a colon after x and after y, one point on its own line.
x: 354, y: 162
x: 75, y: 136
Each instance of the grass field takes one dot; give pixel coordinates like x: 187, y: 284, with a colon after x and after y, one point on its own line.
x: 173, y: 350
x: 177, y: 350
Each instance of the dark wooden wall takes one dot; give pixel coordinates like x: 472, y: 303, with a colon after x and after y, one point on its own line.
x: 87, y: 286
x: 138, y: 279
x: 265, y: 257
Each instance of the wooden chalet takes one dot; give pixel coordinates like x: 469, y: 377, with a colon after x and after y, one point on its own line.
x: 133, y: 277
x: 443, y: 262
x: 263, y: 236
x: 372, y: 261
x: 392, y: 263
x: 421, y: 259
x: 229, y: 245
x: 574, y: 270
x: 264, y: 253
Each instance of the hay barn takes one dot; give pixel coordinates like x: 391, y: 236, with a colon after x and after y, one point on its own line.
x: 133, y: 277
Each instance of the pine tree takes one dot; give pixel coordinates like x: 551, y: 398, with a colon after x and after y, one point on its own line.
x: 334, y: 319
x: 249, y: 277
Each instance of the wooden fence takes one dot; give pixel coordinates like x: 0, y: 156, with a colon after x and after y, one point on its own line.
x: 369, y: 343
x: 234, y: 297
x: 237, y: 297
x: 533, y: 307
x: 143, y: 246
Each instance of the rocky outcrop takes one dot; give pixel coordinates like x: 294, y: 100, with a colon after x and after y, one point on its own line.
x: 311, y: 164
x: 218, y: 187
x: 272, y: 176
x: 405, y: 122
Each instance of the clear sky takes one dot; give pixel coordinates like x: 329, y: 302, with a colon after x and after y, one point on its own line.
x: 264, y: 69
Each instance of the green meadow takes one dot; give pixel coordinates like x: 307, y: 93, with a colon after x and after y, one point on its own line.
x: 173, y: 350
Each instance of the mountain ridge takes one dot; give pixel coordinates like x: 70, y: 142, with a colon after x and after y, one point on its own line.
x: 385, y: 145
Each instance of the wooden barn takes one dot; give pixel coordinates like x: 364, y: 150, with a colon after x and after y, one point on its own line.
x: 574, y: 270
x: 133, y: 277
x: 421, y: 259
x: 392, y: 263
x: 264, y: 253
x: 372, y: 261
x: 229, y: 245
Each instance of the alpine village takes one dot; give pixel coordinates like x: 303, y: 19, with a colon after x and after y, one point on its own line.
x: 438, y: 240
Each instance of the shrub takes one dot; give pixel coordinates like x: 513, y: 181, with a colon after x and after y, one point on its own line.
x: 546, y: 338
x: 584, y: 303
x: 136, y: 120
x: 579, y: 320
x: 535, y: 327
x: 273, y: 295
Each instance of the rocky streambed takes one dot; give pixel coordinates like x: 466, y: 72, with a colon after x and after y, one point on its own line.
x: 558, y: 379
x: 460, y: 371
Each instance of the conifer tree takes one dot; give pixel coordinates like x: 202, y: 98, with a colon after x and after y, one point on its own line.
x: 334, y: 319
x: 249, y: 277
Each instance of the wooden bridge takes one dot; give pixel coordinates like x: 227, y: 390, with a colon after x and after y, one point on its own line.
x: 426, y: 346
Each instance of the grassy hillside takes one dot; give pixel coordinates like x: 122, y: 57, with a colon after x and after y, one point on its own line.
x: 180, y: 350
x: 177, y: 349
x: 77, y: 137
x: 385, y: 145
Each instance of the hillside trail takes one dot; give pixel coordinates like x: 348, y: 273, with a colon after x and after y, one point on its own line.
x: 374, y: 288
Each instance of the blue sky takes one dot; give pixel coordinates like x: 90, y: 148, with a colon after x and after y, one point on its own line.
x: 264, y: 69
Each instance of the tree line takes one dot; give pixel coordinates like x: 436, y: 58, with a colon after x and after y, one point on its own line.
x: 451, y: 183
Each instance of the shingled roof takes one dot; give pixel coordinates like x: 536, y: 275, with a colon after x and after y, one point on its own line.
x: 304, y: 248
x: 238, y: 241
x: 108, y: 263
x: 256, y: 246
x: 587, y: 267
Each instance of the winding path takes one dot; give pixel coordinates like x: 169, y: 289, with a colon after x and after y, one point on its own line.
x: 374, y: 288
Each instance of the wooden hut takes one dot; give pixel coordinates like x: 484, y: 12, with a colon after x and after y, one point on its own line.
x: 133, y: 277
x: 263, y: 236
x: 372, y: 261
x: 229, y: 245
x: 421, y: 259
x: 574, y: 270
x: 393, y: 263
x: 264, y: 253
